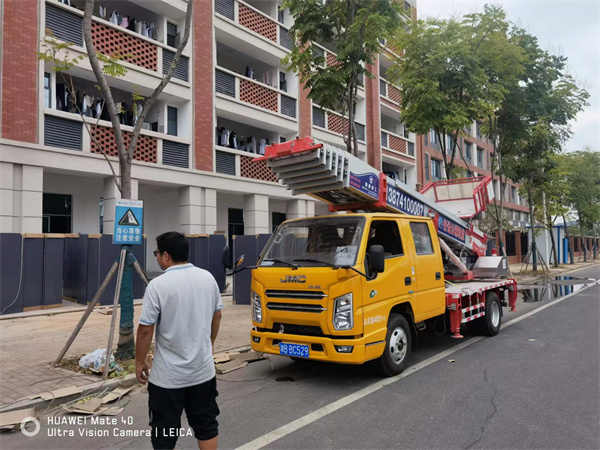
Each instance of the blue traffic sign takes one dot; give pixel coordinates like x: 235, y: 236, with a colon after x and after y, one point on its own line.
x: 129, y: 216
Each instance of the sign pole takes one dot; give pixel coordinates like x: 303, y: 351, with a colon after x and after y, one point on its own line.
x: 114, y: 313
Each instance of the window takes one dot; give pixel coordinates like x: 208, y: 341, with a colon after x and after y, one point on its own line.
x: 277, y: 219
x: 432, y: 136
x: 426, y: 139
x: 468, y: 151
x: 513, y: 194
x: 478, y: 129
x: 172, y: 120
x: 427, y: 166
x: 449, y: 144
x: 172, y: 35
x: 511, y: 245
x: 436, y: 169
x: 280, y: 15
x: 386, y: 234
x: 421, y: 238
x: 480, y: 157
x: 56, y: 213
x: 282, y: 82
x: 47, y: 91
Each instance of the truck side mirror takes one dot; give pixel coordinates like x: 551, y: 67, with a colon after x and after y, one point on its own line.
x: 240, y: 260
x: 226, y: 258
x: 376, y: 259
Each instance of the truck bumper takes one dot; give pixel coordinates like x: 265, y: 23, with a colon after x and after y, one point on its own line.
x: 320, y: 348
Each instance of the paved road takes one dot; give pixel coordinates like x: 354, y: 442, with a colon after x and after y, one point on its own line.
x: 535, y: 385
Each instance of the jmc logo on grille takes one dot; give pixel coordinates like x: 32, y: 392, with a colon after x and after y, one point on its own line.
x: 294, y: 279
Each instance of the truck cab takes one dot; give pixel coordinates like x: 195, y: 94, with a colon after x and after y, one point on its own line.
x: 347, y: 288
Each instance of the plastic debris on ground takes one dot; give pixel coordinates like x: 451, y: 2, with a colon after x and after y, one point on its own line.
x: 96, y: 360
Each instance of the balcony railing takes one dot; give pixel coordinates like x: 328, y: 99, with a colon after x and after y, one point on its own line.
x: 389, y: 91
x: 230, y: 162
x: 66, y: 131
x: 66, y: 23
x: 256, y: 21
x: 335, y: 123
x: 394, y: 142
x: 253, y: 92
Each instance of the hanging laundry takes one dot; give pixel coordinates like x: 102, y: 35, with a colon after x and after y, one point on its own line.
x: 232, y: 140
x: 262, y: 146
x: 249, y: 72
x: 102, y: 11
x: 114, y: 17
x: 124, y: 22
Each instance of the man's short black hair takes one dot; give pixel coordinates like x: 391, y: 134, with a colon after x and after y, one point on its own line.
x: 175, y: 244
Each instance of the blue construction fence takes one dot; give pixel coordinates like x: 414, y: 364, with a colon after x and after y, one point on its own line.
x: 251, y: 246
x: 38, y: 270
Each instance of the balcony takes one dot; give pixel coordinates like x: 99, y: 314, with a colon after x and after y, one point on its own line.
x: 389, y: 92
x: 256, y: 21
x: 66, y: 131
x: 397, y: 145
x: 334, y: 122
x: 143, y: 53
x: 229, y: 84
x: 329, y: 58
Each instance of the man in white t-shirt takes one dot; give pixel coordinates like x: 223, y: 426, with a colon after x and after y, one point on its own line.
x: 184, y: 305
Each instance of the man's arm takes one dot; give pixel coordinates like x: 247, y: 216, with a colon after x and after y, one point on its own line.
x: 142, y: 345
x: 214, y: 328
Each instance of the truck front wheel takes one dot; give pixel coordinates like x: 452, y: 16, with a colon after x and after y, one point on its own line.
x: 397, y: 347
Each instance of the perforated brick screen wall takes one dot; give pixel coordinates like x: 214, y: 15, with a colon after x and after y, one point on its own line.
x: 110, y: 41
x: 258, y: 95
x: 331, y: 61
x: 395, y: 143
x: 145, y: 149
x: 257, y: 22
x: 257, y: 170
x: 394, y: 94
x: 337, y: 124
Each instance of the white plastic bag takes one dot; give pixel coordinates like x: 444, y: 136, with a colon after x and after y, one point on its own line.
x: 96, y: 361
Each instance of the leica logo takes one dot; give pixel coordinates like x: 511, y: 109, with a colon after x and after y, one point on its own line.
x: 294, y: 279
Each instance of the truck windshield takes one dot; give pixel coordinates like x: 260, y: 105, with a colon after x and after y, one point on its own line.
x: 332, y: 240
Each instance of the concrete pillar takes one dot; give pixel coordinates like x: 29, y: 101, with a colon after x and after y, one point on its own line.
x: 109, y: 199
x: 21, y: 198
x: 6, y: 197
x: 297, y: 209
x: 197, y: 210
x: 256, y: 214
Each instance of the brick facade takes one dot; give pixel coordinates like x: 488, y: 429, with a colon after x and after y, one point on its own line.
x: 20, y: 71
x: 203, y: 85
x: 373, y: 116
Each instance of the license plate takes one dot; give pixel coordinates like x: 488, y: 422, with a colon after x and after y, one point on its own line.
x: 297, y: 350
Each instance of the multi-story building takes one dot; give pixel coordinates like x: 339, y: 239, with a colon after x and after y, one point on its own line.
x: 194, y: 166
x: 194, y: 169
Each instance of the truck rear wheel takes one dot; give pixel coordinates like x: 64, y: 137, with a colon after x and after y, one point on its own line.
x: 489, y: 325
x: 397, y: 347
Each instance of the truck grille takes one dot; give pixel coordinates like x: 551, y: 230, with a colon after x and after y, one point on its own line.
x: 303, y: 295
x: 295, y: 307
x: 302, y: 330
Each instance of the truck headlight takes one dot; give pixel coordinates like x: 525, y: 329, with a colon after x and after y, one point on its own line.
x: 256, y: 307
x: 343, y: 313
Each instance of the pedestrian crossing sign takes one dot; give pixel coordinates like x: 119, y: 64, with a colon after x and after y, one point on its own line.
x: 129, y: 215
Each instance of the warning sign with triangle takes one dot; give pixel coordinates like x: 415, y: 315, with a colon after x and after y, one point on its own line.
x: 129, y: 219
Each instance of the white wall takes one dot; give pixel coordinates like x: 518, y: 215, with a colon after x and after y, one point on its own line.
x: 161, y: 214
x: 85, y: 196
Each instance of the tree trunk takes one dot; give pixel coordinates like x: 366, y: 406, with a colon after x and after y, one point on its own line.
x: 532, y: 223
x: 568, y: 240
x: 583, y: 246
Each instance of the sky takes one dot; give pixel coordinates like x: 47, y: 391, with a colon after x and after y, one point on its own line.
x: 567, y: 27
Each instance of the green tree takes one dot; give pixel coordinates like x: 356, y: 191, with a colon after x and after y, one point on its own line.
x: 105, y: 68
x: 354, y: 28
x: 583, y: 178
x: 538, y: 120
x: 452, y: 73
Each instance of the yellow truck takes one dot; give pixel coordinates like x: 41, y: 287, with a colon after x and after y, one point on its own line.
x: 355, y: 287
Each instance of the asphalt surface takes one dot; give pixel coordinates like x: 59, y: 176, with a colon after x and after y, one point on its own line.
x: 535, y: 385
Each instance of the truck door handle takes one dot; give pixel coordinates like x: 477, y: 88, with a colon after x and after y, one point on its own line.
x: 438, y: 275
x: 407, y: 281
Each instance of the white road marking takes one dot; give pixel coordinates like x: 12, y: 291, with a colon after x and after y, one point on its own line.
x: 345, y: 401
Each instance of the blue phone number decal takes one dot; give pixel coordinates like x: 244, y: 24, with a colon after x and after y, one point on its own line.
x: 403, y: 202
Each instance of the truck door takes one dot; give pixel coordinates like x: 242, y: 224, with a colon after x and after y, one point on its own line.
x: 388, y: 286
x: 428, y: 271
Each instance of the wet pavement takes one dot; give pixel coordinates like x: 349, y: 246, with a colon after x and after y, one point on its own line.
x: 553, y: 288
